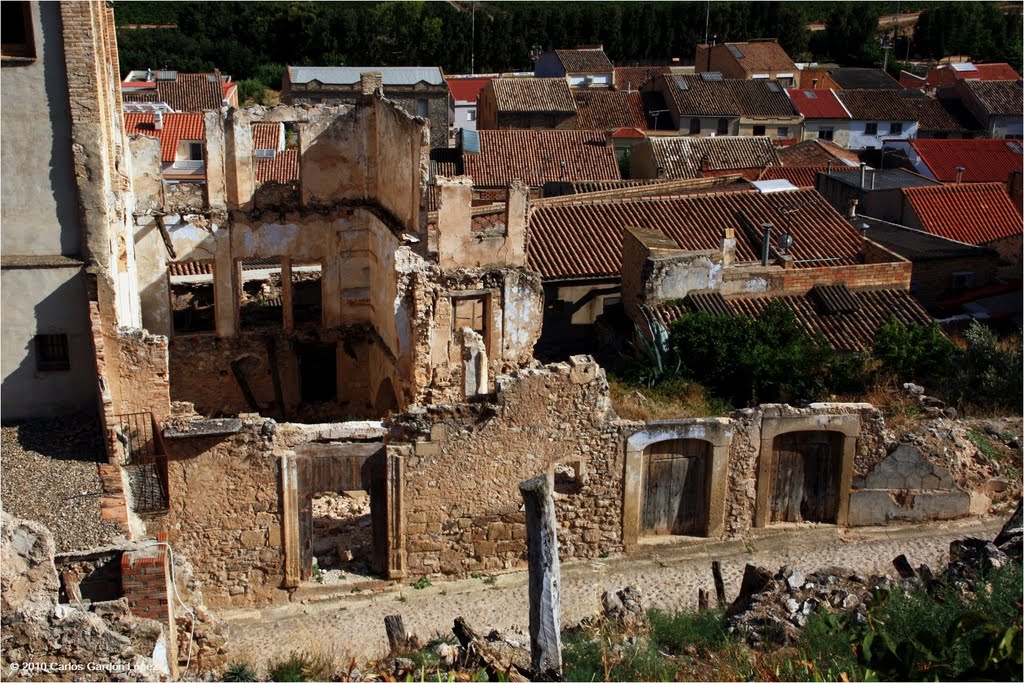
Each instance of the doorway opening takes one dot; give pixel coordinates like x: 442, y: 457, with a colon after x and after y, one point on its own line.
x: 676, y: 488
x: 805, y: 477
x: 318, y: 372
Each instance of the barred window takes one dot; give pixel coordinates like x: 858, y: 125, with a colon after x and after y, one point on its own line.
x: 52, y: 352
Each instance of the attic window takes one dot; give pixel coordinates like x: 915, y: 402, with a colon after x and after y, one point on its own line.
x: 773, y: 86
x: 16, y: 35
x: 265, y: 153
x: 811, y: 95
x: 835, y: 299
x: 735, y: 51
x: 711, y: 76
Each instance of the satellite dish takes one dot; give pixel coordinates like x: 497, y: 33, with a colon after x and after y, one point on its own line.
x: 785, y: 242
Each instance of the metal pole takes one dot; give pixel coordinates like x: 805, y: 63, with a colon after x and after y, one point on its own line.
x: 707, y: 22
x: 472, y: 46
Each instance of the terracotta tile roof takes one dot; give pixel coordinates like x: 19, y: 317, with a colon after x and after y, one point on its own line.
x: 694, y: 96
x: 818, y: 104
x: 686, y: 157
x: 282, y: 168
x: 532, y: 94
x: 177, y: 268
x: 467, y: 89
x: 540, y: 156
x: 932, y: 116
x: 760, y: 97
x: 589, y: 60
x: 608, y: 109
x: 575, y: 241
x: 800, y: 176
x: 978, y: 213
x: 859, y: 78
x: 176, y: 127
x: 267, y: 135
x: 999, y: 71
x: 852, y: 331
x: 762, y: 55
x: 636, y: 77
x: 186, y: 93
x: 816, y: 153
x: 592, y: 191
x: 983, y: 160
x: 998, y: 98
x: 877, y: 105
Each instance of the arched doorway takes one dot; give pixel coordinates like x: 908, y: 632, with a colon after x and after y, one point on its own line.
x: 806, y: 476
x: 676, y: 488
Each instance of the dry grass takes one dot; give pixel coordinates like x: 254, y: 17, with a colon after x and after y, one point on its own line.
x: 671, y: 400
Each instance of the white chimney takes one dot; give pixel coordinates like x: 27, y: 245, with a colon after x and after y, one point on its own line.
x: 158, y: 120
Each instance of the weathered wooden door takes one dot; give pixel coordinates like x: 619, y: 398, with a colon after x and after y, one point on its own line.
x: 675, y: 494
x: 805, y: 481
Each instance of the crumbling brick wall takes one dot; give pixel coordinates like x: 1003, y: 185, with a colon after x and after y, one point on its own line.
x: 460, y: 494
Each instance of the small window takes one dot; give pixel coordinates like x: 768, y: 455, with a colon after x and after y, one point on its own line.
x: 16, y: 39
x: 422, y: 108
x: 783, y: 132
x: 52, y: 352
x: 759, y: 130
x: 871, y: 128
x: 471, y: 114
x: 825, y: 133
x: 195, y: 151
x: 963, y: 279
x: 723, y: 127
x: 694, y: 126
x: 471, y: 313
x: 895, y: 128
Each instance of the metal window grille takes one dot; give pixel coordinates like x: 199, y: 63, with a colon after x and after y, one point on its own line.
x: 145, y: 460
x: 52, y: 352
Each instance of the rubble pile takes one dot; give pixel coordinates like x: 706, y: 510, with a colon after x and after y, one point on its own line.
x: 45, y: 639
x: 772, y: 609
x: 342, y: 534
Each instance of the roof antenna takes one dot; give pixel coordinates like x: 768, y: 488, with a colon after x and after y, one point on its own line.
x: 707, y: 22
x: 960, y: 174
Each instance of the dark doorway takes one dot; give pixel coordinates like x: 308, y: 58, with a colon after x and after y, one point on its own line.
x: 677, y: 485
x: 318, y: 372
x: 805, y: 480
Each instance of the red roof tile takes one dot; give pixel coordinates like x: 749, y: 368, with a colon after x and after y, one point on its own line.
x: 636, y: 77
x: 267, y: 135
x: 577, y: 241
x: 1000, y: 71
x: 609, y: 109
x: 818, y: 104
x: 584, y: 60
x: 186, y: 93
x: 853, y: 331
x: 282, y: 168
x: 978, y: 213
x: 816, y: 153
x: 984, y: 161
x: 532, y: 94
x: 539, y: 156
x: 692, y: 157
x: 763, y: 55
x: 176, y: 127
x: 467, y: 89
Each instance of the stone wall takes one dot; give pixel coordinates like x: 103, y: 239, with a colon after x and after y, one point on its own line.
x: 460, y: 489
x: 225, y: 514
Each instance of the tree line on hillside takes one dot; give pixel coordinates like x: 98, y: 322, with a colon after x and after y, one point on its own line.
x: 253, y: 40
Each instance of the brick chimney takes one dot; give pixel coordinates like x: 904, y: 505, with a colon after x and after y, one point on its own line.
x: 729, y: 247
x: 371, y: 83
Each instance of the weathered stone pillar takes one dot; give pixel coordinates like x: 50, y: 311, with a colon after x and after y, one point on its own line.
x: 545, y: 574
x: 474, y: 364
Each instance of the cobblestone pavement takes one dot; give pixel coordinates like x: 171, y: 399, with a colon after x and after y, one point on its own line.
x: 668, y: 574
x: 48, y: 473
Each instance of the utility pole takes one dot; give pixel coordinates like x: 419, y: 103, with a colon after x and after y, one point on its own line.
x: 472, y: 46
x: 707, y: 22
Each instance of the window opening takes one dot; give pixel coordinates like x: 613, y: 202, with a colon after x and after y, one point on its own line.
x: 318, y: 372
x: 16, y: 39
x: 307, y: 291
x: 52, y: 352
x: 260, y: 295
x: 192, y: 298
x: 694, y: 126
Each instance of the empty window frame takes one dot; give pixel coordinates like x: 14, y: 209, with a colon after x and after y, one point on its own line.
x: 422, y: 108
x: 307, y: 292
x: 471, y: 114
x: 471, y: 312
x: 192, y: 297
x: 826, y: 133
x: 260, y: 296
x: 52, y: 353
x: 871, y: 128
x: 16, y: 35
x: 759, y: 130
x: 195, y: 151
x: 723, y: 127
x: 783, y: 132
x: 895, y: 128
x: 694, y: 126
x: 963, y: 279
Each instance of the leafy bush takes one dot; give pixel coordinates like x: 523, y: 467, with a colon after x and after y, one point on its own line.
x: 240, y: 672
x: 250, y: 91
x: 748, y: 360
x: 914, y: 353
x: 421, y: 583
x: 671, y: 632
x: 301, y: 665
x: 991, y: 371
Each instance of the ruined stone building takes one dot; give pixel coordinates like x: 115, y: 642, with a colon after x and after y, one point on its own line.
x: 300, y: 326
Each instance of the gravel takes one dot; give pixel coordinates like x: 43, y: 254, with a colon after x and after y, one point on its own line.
x: 50, y: 475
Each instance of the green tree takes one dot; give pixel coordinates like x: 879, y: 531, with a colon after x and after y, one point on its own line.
x: 850, y: 31
x: 914, y: 353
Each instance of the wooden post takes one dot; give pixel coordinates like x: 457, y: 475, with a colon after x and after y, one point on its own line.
x: 716, y: 572
x: 397, y: 638
x: 702, y: 599
x: 545, y: 574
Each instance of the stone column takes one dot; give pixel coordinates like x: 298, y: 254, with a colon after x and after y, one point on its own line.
x: 545, y: 574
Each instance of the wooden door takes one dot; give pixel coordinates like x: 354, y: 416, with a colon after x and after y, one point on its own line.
x: 676, y: 490
x: 805, y: 480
